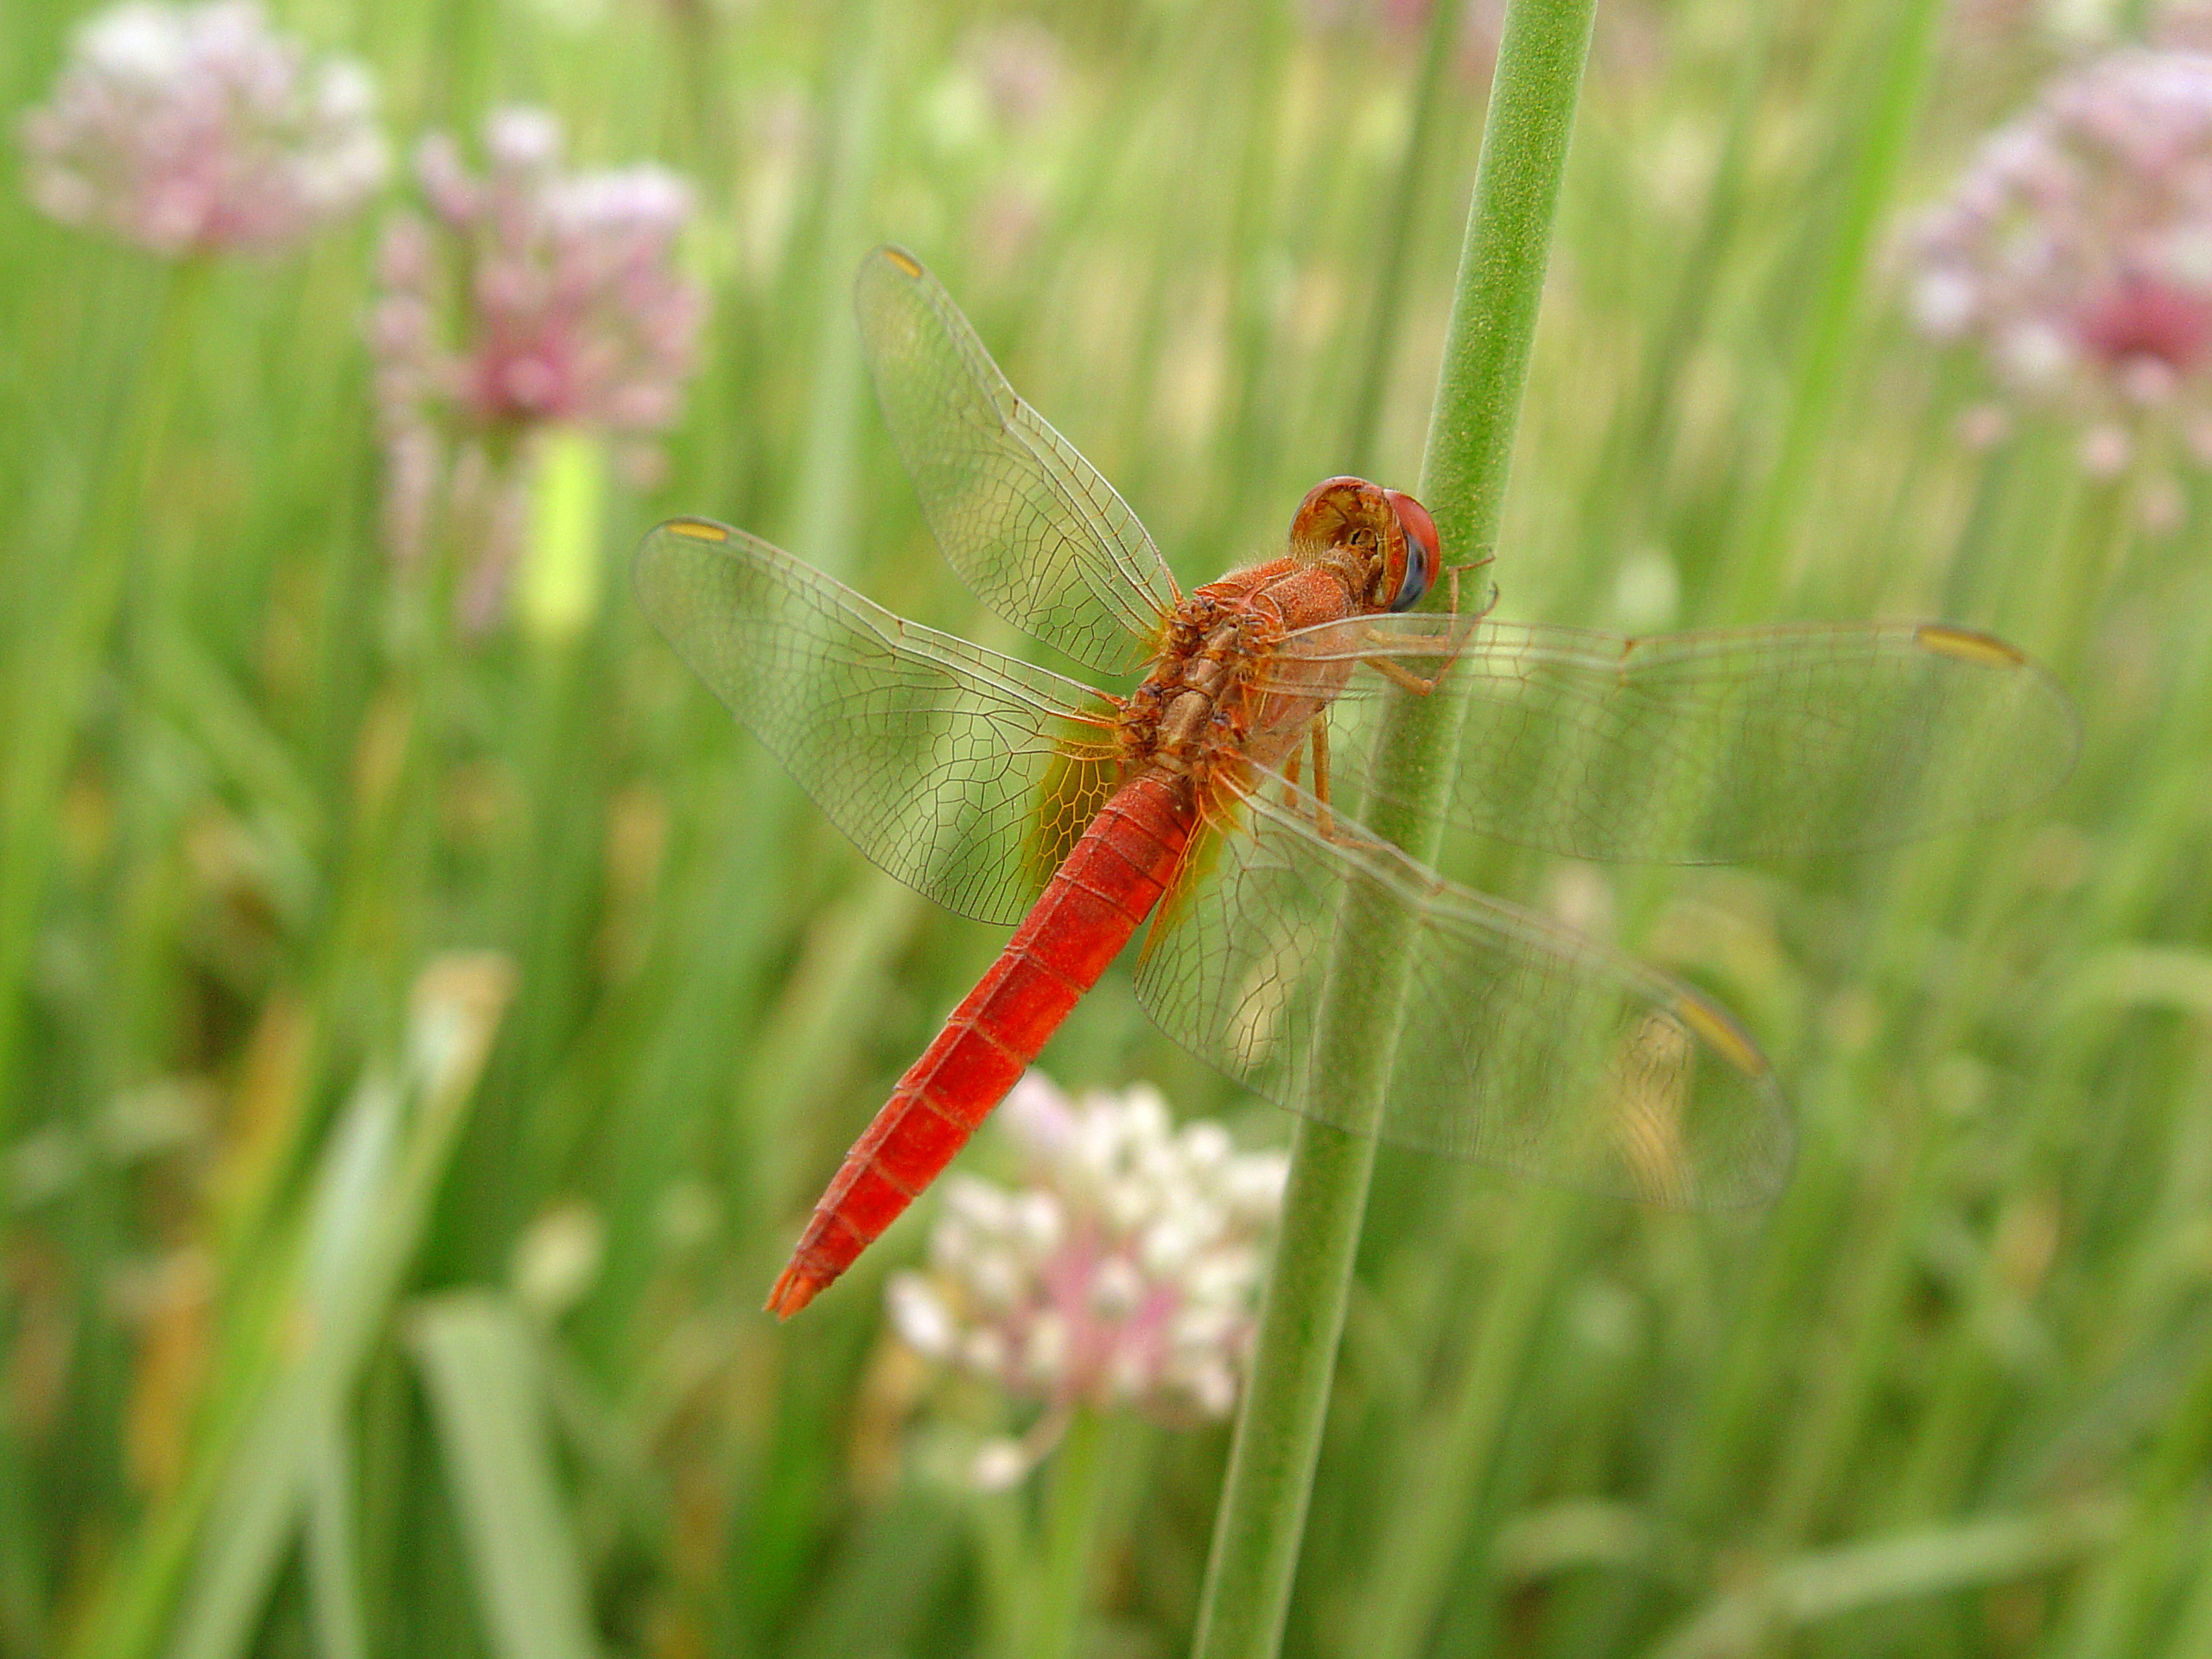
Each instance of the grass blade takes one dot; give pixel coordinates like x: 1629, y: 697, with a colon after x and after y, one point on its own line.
x: 479, y: 1365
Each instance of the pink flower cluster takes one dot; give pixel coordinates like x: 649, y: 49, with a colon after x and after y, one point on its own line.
x: 530, y: 296
x: 1125, y: 1271
x: 1022, y: 68
x: 192, y: 129
x: 526, y: 297
x: 2076, y: 252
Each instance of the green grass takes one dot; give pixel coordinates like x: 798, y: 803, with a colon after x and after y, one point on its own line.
x: 271, y: 1384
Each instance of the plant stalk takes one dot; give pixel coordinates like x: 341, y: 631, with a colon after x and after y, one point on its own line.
x: 1364, y: 426
x: 53, y: 681
x: 1758, y: 560
x: 1443, y: 1484
x: 1072, y: 1512
x: 1477, y: 405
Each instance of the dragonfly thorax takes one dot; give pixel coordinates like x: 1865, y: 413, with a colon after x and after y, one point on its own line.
x: 1191, y: 712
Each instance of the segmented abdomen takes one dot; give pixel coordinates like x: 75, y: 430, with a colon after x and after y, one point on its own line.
x: 1114, y: 874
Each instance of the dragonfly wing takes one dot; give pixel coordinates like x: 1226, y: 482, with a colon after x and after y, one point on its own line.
x: 1030, y: 525
x: 963, y: 773
x: 1523, y: 1044
x: 1712, y: 748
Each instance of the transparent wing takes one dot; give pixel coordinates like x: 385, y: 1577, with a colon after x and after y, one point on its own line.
x: 1030, y: 525
x: 1523, y: 1044
x: 964, y: 773
x: 1707, y: 747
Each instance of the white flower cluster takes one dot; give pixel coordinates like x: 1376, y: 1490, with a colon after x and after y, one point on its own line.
x: 192, y: 129
x: 1125, y: 1271
x: 2076, y: 252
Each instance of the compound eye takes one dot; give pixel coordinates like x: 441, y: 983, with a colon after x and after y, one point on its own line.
x: 1423, y: 555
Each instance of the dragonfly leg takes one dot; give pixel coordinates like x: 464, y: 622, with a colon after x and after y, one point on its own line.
x: 1405, y: 679
x: 1318, y: 735
x: 1399, y: 678
x: 1325, y: 822
x: 1451, y: 573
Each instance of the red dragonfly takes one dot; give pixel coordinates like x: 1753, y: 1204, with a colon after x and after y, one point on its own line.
x: 1013, y: 795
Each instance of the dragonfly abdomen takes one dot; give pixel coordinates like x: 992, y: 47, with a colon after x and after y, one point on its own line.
x: 1100, y: 895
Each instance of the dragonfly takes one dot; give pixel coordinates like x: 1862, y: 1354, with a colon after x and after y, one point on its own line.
x: 1218, y: 806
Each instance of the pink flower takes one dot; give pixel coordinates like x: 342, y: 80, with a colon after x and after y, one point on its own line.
x: 1022, y: 69
x: 531, y: 296
x: 2076, y: 251
x: 524, y: 297
x: 1125, y: 1271
x: 192, y: 129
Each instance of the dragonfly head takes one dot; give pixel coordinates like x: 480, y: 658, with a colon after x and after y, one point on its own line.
x: 1390, y: 531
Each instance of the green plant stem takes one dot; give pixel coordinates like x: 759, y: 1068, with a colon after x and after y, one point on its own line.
x: 1071, y: 1517
x: 1477, y: 405
x: 1263, y: 1504
x: 1758, y: 560
x: 823, y: 527
x: 2098, y: 530
x: 55, y: 676
x: 42, y: 708
x: 1455, y: 1447
x: 192, y: 1581
x: 1364, y: 426
x: 1501, y: 281
x: 378, y: 912
x: 1630, y: 481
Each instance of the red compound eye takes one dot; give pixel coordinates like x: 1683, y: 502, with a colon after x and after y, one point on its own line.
x: 1424, y: 557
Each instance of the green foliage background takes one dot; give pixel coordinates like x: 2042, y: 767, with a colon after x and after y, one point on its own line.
x: 281, y: 1373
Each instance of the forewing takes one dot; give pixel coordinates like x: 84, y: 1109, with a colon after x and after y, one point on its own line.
x: 1523, y: 1045
x: 963, y: 773
x: 1030, y: 525
x: 1711, y: 747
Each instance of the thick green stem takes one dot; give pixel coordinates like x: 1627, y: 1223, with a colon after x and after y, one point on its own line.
x: 1071, y: 1517
x: 1279, y: 1431
x: 1469, y: 448
x: 1493, y: 325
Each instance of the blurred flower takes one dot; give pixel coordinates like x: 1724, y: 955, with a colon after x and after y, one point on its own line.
x: 192, y: 129
x: 1403, y: 22
x: 2076, y: 253
x: 781, y: 139
x: 567, y: 304
x: 1125, y: 1270
x: 2186, y: 24
x: 557, y: 1258
x: 1021, y: 67
x: 525, y: 298
x: 1003, y: 102
x: 686, y: 1214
